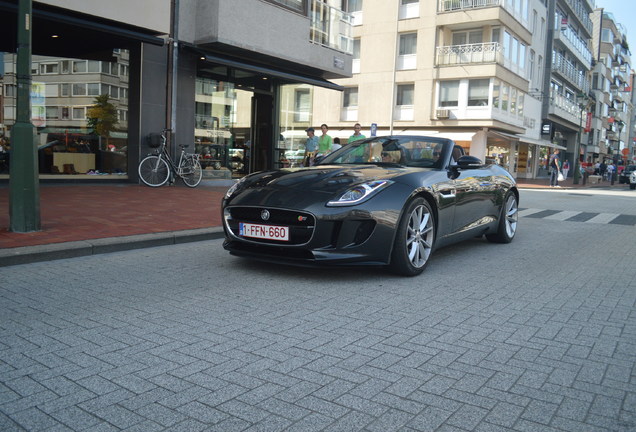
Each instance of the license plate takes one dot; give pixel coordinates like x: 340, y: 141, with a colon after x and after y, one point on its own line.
x: 268, y: 232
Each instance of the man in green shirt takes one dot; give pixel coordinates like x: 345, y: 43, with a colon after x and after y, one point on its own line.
x: 356, y: 134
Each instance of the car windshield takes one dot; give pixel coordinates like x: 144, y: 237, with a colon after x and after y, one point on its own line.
x: 424, y: 152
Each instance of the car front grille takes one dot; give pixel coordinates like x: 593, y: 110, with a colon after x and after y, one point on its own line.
x: 301, y: 224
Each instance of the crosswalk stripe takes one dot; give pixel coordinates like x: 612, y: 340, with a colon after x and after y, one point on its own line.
x: 529, y: 211
x: 603, y: 218
x: 563, y: 215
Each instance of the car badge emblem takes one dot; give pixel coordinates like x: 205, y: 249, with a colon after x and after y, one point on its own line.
x: 302, y: 218
x: 265, y: 214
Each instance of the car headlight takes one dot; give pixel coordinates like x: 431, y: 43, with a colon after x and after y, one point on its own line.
x: 360, y: 193
x: 234, y: 188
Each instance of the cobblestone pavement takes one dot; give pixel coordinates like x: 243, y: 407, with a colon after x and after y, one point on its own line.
x: 523, y: 337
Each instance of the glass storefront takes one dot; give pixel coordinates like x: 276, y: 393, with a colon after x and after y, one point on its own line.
x: 295, y: 118
x: 222, y: 128
x: 79, y: 112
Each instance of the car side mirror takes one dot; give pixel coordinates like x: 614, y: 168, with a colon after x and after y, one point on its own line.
x: 468, y: 162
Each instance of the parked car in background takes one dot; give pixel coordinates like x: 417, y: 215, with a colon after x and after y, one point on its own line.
x: 388, y: 201
x: 632, y: 180
x: 623, y: 177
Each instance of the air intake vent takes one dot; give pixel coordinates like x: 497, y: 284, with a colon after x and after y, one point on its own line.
x: 442, y: 113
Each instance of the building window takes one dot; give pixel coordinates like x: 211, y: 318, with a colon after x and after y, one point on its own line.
x: 93, y: 89
x: 295, y: 5
x: 407, y: 51
x: 350, y: 104
x: 302, y: 104
x: 355, y: 62
x: 449, y: 93
x: 94, y: 66
x: 79, y: 66
x: 49, y: 68
x: 350, y: 97
x: 65, y: 113
x: 495, y: 94
x: 405, y: 93
x: 52, y: 113
x: 9, y: 90
x: 65, y: 89
x: 66, y: 66
x: 467, y: 37
x: 79, y: 113
x: 352, y: 6
x: 409, y: 9
x: 79, y: 89
x: 478, y: 92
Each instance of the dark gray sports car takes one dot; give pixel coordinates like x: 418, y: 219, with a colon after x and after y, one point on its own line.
x: 381, y: 201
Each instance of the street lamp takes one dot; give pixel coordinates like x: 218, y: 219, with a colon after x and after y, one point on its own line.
x: 584, y: 103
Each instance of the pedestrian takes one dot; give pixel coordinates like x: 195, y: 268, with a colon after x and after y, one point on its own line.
x: 611, y: 169
x: 555, y: 168
x: 356, y: 134
x: 310, y: 147
x: 324, y: 142
x: 336, y: 144
x: 566, y: 168
x: 602, y: 170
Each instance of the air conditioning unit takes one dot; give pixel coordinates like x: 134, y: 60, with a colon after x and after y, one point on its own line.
x: 442, y: 113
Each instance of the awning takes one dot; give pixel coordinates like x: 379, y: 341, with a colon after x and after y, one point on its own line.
x: 295, y: 78
x: 503, y: 135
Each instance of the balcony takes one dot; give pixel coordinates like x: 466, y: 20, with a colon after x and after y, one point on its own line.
x: 330, y: 27
x: 581, y: 13
x: 570, y: 72
x: 464, y: 5
x: 575, y: 45
x: 453, y: 55
x: 565, y: 108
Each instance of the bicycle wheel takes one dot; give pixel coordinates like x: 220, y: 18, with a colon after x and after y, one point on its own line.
x: 154, y: 171
x: 191, y: 172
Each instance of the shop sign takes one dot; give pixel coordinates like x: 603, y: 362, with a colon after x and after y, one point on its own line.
x: 564, y: 24
x: 546, y: 128
x: 588, y: 122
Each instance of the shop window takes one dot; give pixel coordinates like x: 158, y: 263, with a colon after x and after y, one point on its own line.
x: 449, y: 93
x: 302, y: 101
x: 478, y: 92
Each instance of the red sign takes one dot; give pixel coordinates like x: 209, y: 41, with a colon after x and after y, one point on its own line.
x: 588, y: 122
x: 610, y: 119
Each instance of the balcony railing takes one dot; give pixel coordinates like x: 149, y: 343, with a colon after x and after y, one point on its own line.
x: 330, y: 27
x: 569, y: 70
x: 489, y: 52
x: 459, y: 5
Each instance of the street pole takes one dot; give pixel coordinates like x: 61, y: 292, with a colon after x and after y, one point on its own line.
x: 24, y: 188
x: 577, y: 173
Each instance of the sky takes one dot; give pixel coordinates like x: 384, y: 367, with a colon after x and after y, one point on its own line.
x: 624, y: 12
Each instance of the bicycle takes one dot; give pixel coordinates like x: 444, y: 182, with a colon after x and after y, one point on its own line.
x: 156, y: 169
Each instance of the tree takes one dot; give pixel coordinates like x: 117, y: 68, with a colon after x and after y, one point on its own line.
x: 102, y: 116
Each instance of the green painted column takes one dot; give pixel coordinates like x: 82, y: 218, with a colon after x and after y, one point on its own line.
x: 24, y: 187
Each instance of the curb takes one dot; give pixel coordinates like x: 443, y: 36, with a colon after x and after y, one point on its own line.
x: 55, y: 251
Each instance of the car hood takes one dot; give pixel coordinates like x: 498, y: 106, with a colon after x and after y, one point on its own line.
x: 300, y: 186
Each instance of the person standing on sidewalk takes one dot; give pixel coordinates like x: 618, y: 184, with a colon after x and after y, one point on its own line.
x: 555, y: 168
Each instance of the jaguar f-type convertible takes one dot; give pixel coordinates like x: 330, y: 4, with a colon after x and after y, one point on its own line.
x: 387, y: 201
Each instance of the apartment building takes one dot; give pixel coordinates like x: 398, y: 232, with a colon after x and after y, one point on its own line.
x: 229, y: 77
x: 612, y: 84
x: 509, y: 80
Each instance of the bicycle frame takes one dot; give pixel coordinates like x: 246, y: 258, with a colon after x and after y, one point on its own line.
x: 163, y: 153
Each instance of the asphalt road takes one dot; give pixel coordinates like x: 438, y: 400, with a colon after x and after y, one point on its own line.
x: 537, y: 335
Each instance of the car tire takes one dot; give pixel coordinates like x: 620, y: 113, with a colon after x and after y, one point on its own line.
x: 632, y: 186
x: 507, y: 227
x: 414, y: 239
